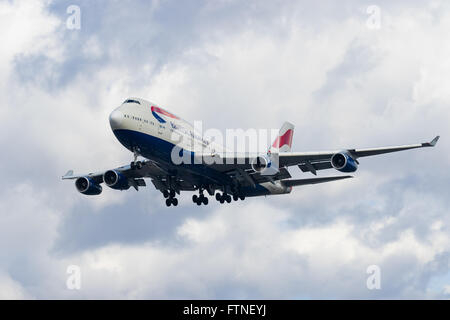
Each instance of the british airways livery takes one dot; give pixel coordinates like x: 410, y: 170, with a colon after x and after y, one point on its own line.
x: 177, y: 158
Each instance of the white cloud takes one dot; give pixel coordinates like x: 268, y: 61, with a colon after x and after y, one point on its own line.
x: 10, y: 289
x: 258, y: 255
x: 27, y: 28
x: 92, y: 49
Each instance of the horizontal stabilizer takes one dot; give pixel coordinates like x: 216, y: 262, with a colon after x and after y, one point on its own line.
x: 300, y: 182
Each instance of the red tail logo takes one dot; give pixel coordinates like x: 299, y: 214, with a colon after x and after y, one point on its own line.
x: 286, y: 138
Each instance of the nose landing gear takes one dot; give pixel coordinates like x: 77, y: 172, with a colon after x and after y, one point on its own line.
x: 136, y: 164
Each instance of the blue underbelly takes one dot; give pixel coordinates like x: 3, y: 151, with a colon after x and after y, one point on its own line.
x: 160, y: 150
x: 157, y: 149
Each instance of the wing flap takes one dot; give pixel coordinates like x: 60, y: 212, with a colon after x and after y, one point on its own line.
x: 301, y: 182
x: 314, y: 166
x: 282, y: 174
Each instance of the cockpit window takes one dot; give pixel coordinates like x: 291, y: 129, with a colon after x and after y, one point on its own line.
x: 132, y: 101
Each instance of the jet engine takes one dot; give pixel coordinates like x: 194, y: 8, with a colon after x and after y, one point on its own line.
x: 343, y: 162
x: 87, y: 186
x: 116, y: 180
x: 264, y: 165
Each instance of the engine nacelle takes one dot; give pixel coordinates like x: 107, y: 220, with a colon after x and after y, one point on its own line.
x: 344, y: 162
x: 87, y: 186
x: 264, y: 165
x: 116, y: 180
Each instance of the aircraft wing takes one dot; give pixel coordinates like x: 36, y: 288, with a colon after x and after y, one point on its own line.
x: 150, y: 169
x: 98, y: 176
x: 239, y: 168
x: 134, y: 176
x: 312, y: 161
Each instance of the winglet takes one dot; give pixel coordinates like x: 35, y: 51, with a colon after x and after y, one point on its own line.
x: 68, y: 174
x: 432, y: 143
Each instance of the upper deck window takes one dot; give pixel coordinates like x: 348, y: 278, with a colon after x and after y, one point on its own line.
x: 132, y: 101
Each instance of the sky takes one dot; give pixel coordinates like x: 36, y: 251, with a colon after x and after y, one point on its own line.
x: 347, y: 74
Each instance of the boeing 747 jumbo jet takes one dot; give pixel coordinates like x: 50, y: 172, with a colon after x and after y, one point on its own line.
x: 177, y: 159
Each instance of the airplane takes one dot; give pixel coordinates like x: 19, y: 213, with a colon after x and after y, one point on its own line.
x: 153, y: 133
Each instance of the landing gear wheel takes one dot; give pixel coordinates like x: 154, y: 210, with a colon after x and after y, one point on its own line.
x: 138, y: 165
x: 194, y: 198
x: 228, y: 198
x: 205, y: 201
x: 242, y: 197
x: 199, y: 202
x: 168, y: 202
x: 218, y: 196
x: 222, y: 200
x: 174, y: 202
x: 166, y: 194
x: 172, y: 193
x: 235, y: 197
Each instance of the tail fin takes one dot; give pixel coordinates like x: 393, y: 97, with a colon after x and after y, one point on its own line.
x: 283, y: 142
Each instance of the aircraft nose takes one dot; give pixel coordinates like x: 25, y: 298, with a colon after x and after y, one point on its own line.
x: 116, y: 119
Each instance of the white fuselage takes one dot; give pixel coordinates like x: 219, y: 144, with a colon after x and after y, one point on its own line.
x: 152, y: 131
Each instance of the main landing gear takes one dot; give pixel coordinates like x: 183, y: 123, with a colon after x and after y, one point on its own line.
x: 170, y: 198
x: 226, y: 197
x: 199, y: 200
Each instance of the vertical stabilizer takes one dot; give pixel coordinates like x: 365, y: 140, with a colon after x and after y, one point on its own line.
x: 283, y: 142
